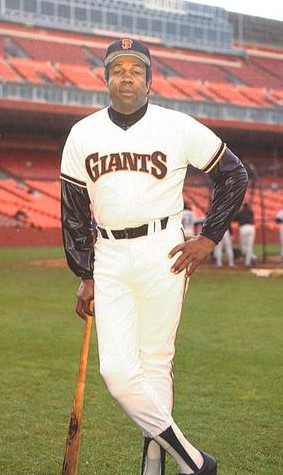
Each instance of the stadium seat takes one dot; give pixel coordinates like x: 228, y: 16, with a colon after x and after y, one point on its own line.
x: 80, y: 75
x: 47, y: 49
x: 30, y: 164
x: 7, y: 73
x: 163, y: 87
x: 35, y: 71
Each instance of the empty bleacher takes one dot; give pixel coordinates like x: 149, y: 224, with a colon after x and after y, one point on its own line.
x: 250, y: 74
x: 49, y: 49
x: 194, y: 69
x: 7, y: 73
x: 35, y: 71
x: 39, y: 56
x: 162, y: 87
x: 28, y: 206
x: 231, y: 94
x: 29, y: 164
x: 81, y: 76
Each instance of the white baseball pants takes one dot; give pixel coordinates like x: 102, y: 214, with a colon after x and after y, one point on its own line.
x: 138, y: 304
x: 224, y: 245
x: 247, y: 237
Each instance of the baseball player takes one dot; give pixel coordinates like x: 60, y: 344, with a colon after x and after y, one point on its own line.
x: 129, y: 161
x: 279, y: 220
x: 245, y: 218
x: 188, y: 221
x: 225, y: 245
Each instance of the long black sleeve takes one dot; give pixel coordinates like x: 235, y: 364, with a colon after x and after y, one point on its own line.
x: 77, y: 229
x: 230, y: 183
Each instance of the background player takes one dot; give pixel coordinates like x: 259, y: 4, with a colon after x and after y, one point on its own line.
x: 188, y: 220
x: 245, y: 218
x: 225, y: 245
x: 129, y: 160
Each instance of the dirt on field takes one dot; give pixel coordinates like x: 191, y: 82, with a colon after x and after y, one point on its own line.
x: 271, y: 263
x: 49, y: 263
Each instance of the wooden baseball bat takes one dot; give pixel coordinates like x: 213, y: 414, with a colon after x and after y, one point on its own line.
x: 71, y: 457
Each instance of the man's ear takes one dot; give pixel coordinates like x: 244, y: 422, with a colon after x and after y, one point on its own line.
x: 148, y: 86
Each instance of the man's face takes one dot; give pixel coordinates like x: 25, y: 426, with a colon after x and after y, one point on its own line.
x: 127, y: 84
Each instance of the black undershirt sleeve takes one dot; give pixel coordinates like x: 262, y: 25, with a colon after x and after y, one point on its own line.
x: 230, y: 183
x: 77, y: 229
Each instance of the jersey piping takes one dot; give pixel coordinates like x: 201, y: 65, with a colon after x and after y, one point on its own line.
x: 70, y: 179
x: 215, y: 159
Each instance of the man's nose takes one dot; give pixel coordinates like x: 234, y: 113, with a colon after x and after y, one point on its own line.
x: 127, y: 77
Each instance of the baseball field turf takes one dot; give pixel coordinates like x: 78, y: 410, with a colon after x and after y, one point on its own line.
x: 228, y: 373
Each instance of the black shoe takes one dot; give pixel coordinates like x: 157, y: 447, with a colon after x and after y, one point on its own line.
x: 147, y: 441
x: 209, y: 466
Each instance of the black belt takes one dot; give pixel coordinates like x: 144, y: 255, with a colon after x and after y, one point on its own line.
x: 131, y: 233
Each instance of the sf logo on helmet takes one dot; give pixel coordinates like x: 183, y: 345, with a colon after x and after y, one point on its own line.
x: 127, y: 43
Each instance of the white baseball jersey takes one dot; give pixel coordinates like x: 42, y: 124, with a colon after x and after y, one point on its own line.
x: 136, y: 175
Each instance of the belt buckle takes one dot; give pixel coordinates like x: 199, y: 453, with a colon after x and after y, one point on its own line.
x: 129, y: 233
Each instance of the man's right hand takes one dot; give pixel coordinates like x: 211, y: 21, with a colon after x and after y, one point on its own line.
x: 85, y: 295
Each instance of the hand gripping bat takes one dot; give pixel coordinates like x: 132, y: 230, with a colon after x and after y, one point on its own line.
x: 71, y: 457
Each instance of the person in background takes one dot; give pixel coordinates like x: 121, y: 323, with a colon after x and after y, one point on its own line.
x: 225, y: 245
x: 188, y: 221
x: 245, y: 219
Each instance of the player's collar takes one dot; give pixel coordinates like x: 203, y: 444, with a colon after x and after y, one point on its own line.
x: 126, y: 120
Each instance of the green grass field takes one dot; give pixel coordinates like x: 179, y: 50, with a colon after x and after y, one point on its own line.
x: 228, y: 372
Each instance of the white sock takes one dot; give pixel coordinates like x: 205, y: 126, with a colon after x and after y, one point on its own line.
x: 171, y: 445
x: 153, y: 459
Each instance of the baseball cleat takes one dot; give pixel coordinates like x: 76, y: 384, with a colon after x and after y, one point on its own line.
x: 209, y: 466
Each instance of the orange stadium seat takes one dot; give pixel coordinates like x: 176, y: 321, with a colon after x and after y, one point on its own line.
x: 7, y: 73
x: 196, y: 89
x: 229, y: 93
x: 35, y: 71
x: 162, y: 87
x: 194, y: 69
x: 48, y: 49
x: 250, y: 74
x: 258, y: 95
x: 30, y: 164
x: 277, y: 95
x: 270, y: 65
x: 82, y: 76
x: 191, y: 88
x: 40, y: 211
x: 50, y: 188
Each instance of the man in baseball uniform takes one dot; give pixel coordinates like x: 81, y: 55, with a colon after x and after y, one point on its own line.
x: 128, y: 161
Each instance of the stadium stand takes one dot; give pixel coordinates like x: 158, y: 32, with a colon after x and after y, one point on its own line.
x: 237, y: 89
x: 80, y: 75
x: 7, y: 73
x: 29, y: 164
x: 34, y: 71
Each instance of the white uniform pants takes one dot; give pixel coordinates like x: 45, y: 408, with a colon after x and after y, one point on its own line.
x: 247, y: 237
x: 224, y: 245
x: 138, y: 305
